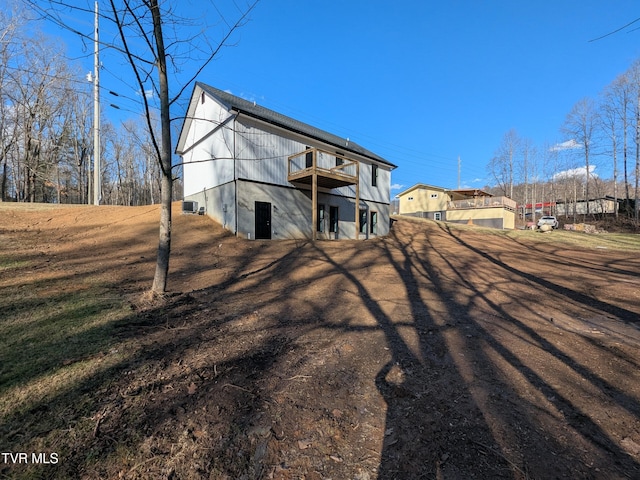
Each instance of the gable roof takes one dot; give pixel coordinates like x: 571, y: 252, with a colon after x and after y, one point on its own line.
x: 251, y: 109
x: 422, y: 186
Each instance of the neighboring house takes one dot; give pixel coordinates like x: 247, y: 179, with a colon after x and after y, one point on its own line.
x: 601, y: 205
x: 264, y: 175
x: 424, y: 201
x: 458, y: 206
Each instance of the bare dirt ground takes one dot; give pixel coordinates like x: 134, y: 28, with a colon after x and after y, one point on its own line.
x: 432, y: 353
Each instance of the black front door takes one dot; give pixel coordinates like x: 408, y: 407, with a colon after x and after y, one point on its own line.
x: 263, y: 221
x: 333, y: 220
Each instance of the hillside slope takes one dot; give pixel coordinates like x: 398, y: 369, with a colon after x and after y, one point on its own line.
x: 436, y: 352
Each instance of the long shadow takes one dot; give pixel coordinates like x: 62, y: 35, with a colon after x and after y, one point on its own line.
x: 173, y: 379
x: 621, y: 313
x: 621, y: 397
x: 240, y: 380
x: 220, y: 409
x: 423, y: 428
x: 512, y: 455
x: 563, y: 260
x: 572, y: 414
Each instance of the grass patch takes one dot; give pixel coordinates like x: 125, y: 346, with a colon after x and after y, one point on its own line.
x: 58, y: 344
x: 8, y: 263
x: 42, y: 336
x: 609, y: 241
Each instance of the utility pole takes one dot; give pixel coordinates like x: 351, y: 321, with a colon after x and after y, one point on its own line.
x: 96, y: 114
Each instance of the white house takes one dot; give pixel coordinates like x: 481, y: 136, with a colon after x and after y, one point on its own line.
x: 264, y: 175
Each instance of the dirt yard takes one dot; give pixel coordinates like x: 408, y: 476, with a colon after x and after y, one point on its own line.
x: 436, y: 352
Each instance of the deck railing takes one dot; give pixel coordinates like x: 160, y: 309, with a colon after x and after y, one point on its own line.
x: 482, y: 202
x: 324, y: 163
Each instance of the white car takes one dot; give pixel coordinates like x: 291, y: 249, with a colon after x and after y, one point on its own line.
x: 548, y: 220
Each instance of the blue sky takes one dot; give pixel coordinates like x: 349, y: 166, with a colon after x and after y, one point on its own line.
x: 420, y: 83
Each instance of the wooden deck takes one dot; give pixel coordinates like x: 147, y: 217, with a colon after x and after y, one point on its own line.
x: 319, y: 168
x: 328, y: 176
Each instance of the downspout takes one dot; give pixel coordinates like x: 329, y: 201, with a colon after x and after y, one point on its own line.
x: 235, y: 173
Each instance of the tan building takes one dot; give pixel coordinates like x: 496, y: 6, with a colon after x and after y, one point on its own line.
x: 470, y: 206
x: 426, y: 200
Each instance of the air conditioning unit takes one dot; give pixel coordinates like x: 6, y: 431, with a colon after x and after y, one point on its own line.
x: 189, y: 207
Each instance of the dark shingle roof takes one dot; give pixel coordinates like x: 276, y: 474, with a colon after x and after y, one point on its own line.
x: 261, y: 113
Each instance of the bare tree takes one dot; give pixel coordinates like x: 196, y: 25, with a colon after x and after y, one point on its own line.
x: 580, y: 125
x: 37, y: 100
x: 529, y: 172
x: 142, y: 41
x: 634, y: 74
x: 612, y: 118
x: 10, y: 25
x: 130, y: 21
x: 548, y: 167
x: 623, y: 90
x: 501, y: 165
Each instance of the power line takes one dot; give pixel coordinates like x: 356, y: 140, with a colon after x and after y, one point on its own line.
x: 71, y: 78
x: 615, y: 31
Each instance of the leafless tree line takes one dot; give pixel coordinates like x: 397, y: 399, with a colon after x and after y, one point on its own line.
x: 46, y: 150
x: 602, y: 131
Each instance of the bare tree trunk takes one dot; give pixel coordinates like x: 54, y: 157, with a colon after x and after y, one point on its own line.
x: 575, y: 199
x: 615, y: 175
x: 625, y: 155
x: 637, y: 169
x: 3, y: 194
x: 635, y: 200
x: 164, y: 247
x: 586, y: 193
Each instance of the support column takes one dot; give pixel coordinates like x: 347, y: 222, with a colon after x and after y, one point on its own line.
x: 314, y: 199
x: 357, y: 222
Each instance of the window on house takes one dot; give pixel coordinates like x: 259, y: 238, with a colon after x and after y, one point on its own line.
x: 374, y: 175
x: 320, y: 226
x: 339, y: 159
x: 202, y: 98
x: 434, y: 195
x: 374, y: 222
x: 437, y: 216
x: 363, y: 221
x: 409, y: 199
x: 308, y: 158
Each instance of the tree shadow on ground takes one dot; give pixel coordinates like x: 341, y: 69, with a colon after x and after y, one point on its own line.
x: 387, y: 358
x: 434, y: 420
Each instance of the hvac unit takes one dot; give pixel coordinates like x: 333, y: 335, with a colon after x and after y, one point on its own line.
x: 189, y: 207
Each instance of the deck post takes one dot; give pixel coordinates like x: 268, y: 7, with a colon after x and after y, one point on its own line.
x: 314, y: 198
x: 357, y: 222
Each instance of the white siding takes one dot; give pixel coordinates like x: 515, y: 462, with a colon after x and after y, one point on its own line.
x: 208, y: 153
x: 262, y: 155
x: 219, y: 204
x: 380, y: 193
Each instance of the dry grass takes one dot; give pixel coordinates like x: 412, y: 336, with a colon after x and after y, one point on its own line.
x: 609, y: 241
